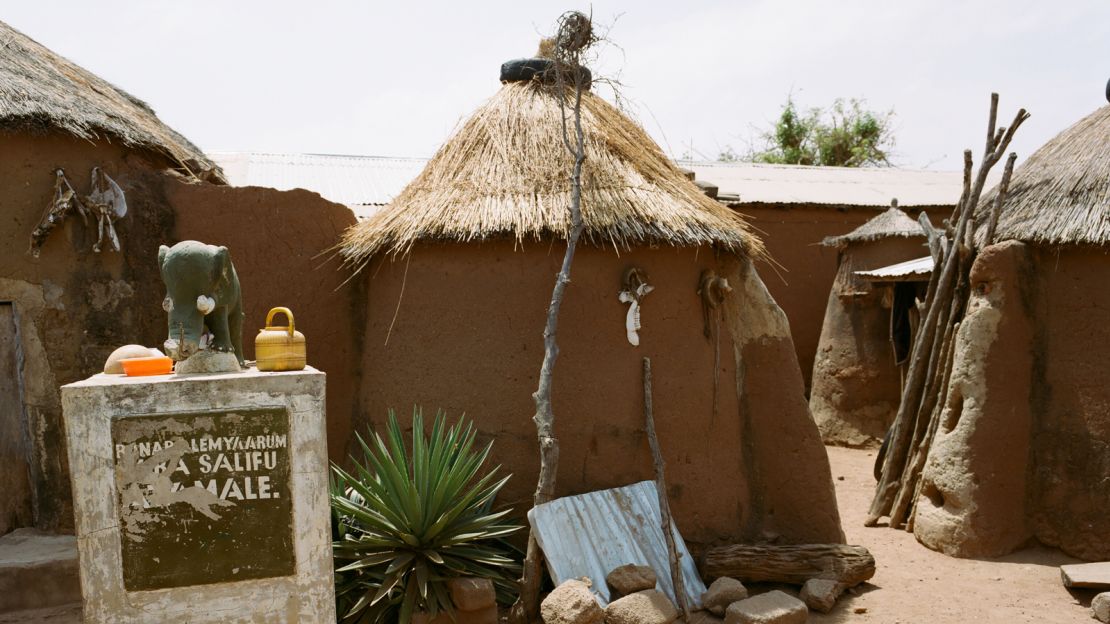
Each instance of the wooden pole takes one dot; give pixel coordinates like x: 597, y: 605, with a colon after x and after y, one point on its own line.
x: 664, y: 505
x: 573, y: 36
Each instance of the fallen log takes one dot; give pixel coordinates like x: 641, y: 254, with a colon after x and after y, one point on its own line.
x: 793, y: 564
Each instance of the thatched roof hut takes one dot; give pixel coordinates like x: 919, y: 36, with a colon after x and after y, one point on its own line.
x: 1061, y: 194
x: 893, y: 223
x: 459, y: 274
x: 41, y: 91
x: 505, y: 174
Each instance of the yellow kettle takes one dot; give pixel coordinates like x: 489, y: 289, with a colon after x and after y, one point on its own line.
x: 279, y: 348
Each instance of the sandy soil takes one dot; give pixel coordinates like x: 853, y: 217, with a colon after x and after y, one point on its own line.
x: 914, y: 584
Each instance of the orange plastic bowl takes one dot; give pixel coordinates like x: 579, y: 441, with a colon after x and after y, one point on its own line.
x: 137, y: 367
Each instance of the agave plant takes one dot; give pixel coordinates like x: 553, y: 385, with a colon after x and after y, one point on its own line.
x: 407, y: 522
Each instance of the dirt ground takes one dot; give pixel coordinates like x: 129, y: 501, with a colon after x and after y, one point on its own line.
x: 914, y: 584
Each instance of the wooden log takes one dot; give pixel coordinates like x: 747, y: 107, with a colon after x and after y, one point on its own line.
x: 794, y: 564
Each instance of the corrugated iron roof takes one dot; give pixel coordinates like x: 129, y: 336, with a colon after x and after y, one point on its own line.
x: 367, y: 181
x: 352, y: 180
x: 908, y: 271
x: 741, y: 183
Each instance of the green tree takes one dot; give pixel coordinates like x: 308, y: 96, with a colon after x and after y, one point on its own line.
x: 843, y: 135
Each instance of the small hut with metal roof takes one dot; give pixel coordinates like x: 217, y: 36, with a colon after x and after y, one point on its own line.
x: 458, y: 273
x: 1022, y: 450
x: 856, y: 382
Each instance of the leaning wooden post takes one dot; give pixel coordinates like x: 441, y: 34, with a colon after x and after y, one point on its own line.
x: 664, y: 505
x: 945, y: 305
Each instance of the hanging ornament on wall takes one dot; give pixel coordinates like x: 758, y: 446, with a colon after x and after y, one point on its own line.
x: 635, y: 288
x: 105, y: 201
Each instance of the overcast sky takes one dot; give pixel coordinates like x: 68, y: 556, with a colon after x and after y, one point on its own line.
x: 394, y: 78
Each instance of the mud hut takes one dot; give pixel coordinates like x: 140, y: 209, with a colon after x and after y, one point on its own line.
x: 865, y: 337
x: 1023, y: 446
x: 59, y: 312
x: 459, y: 270
x: 63, y: 311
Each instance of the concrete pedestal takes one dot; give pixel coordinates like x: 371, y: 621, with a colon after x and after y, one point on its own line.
x: 201, y: 498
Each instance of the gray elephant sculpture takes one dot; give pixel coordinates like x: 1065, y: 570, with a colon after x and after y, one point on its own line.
x: 202, y: 293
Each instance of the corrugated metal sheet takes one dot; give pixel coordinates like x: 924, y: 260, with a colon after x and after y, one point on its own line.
x: 841, y: 186
x: 590, y: 534
x: 375, y: 180
x: 352, y: 180
x: 910, y: 270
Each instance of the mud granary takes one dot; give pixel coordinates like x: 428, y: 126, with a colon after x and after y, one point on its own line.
x: 64, y: 311
x: 458, y: 272
x: 1023, y: 447
x: 866, y: 336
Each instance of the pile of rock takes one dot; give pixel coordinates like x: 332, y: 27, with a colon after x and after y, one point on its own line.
x: 637, y: 601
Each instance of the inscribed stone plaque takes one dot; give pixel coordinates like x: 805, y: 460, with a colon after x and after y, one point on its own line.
x: 203, y: 497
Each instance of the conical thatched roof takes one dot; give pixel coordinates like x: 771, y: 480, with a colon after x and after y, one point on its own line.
x: 506, y: 173
x: 1061, y: 194
x: 40, y: 90
x: 892, y: 223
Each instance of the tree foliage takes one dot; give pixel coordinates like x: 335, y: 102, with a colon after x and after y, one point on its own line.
x: 843, y: 135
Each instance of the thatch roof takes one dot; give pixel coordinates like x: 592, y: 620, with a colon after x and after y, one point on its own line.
x: 506, y: 173
x: 1061, y: 194
x: 40, y: 90
x: 892, y: 223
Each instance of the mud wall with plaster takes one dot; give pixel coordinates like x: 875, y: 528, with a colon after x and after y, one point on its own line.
x: 72, y: 306
x: 974, y: 489
x: 281, y: 244
x: 1023, y: 448
x: 1070, y: 479
x: 803, y: 270
x: 856, y: 384
x: 466, y: 337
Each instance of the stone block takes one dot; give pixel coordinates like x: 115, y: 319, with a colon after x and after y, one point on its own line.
x: 650, y: 606
x: 199, y: 496
x: 571, y: 602
x: 721, y: 593
x: 37, y: 570
x: 821, y: 594
x: 1100, y: 607
x: 703, y: 617
x: 774, y: 607
x: 630, y: 578
x: 472, y: 594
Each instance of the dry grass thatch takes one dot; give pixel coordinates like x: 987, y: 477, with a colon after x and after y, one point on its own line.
x: 891, y: 223
x: 507, y: 173
x: 40, y: 90
x: 1061, y: 194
